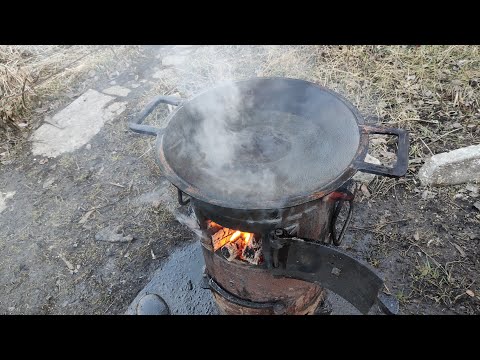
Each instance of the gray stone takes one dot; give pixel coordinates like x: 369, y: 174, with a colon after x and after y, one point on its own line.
x: 76, y: 124
x: 472, y: 188
x: 452, y: 168
x: 364, y: 177
x: 112, y: 235
x: 117, y: 91
x: 48, y: 183
x: 426, y: 195
x: 3, y: 198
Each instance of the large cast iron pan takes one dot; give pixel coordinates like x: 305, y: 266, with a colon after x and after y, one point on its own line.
x: 226, y: 147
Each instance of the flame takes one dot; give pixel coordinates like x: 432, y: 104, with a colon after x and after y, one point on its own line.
x: 239, y: 238
x: 235, y: 235
x: 247, y: 237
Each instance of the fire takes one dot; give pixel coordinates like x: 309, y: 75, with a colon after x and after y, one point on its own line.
x: 235, y: 244
x: 235, y: 235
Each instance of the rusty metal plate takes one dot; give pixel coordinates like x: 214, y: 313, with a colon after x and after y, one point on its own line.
x: 332, y: 269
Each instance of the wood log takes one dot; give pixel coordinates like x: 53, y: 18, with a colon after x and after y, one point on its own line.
x: 230, y: 251
x: 221, y: 237
x: 252, y: 252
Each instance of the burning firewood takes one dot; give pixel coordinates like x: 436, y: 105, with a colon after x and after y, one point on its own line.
x: 252, y: 252
x: 213, y: 227
x: 230, y: 251
x: 221, y: 237
x: 235, y: 244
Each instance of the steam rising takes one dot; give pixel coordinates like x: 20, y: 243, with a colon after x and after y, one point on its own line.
x: 233, y: 150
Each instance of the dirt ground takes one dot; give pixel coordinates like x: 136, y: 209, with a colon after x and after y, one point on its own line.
x: 424, y: 241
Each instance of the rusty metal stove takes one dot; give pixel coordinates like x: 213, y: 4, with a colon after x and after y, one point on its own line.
x: 308, y: 142
x: 240, y: 288
x: 270, y: 287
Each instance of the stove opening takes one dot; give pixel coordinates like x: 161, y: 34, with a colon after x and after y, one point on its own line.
x: 235, y: 244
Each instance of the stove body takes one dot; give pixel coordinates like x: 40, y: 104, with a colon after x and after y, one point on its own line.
x: 254, y: 289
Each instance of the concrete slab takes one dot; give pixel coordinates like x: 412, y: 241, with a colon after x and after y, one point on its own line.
x: 75, y: 125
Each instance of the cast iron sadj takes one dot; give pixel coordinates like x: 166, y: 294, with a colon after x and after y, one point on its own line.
x: 306, y: 157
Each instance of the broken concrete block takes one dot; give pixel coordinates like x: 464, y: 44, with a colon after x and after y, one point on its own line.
x: 364, y: 177
x: 74, y: 126
x: 452, y: 168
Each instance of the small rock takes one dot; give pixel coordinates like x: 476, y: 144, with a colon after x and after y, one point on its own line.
x: 456, y: 125
x: 88, y: 146
x: 11, y: 308
x: 470, y: 293
x: 474, y: 236
x: 427, y: 194
x: 416, y: 236
x: 96, y: 78
x: 365, y: 191
x: 472, y: 188
x: 336, y: 271
x: 452, y: 168
x: 459, y: 196
x: 113, y: 235
x: 48, y: 183
x: 477, y: 205
x: 189, y: 285
x: 43, y: 161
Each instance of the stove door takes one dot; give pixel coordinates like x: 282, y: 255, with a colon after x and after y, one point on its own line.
x: 332, y: 269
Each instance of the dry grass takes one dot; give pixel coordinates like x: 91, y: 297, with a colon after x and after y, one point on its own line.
x: 33, y: 75
x: 432, y: 91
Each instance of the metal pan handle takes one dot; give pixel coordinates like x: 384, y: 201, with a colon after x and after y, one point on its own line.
x: 400, y: 167
x: 136, y: 124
